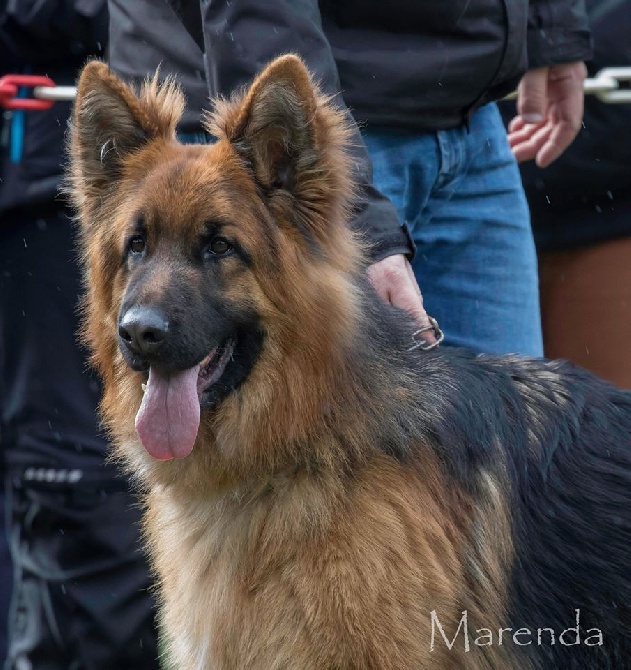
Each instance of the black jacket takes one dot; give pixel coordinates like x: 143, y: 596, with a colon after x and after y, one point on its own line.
x: 50, y: 38
x: 421, y: 64
x: 585, y: 196
x: 47, y: 398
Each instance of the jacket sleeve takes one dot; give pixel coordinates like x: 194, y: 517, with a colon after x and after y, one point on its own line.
x: 239, y: 38
x: 558, y: 32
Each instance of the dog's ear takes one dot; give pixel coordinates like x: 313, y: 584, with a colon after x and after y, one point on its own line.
x: 110, y: 121
x: 273, y: 126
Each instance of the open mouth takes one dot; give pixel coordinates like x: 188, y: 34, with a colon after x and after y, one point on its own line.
x: 168, y: 418
x: 214, y: 365
x: 169, y: 415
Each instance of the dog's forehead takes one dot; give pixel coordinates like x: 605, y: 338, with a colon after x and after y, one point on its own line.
x: 194, y: 184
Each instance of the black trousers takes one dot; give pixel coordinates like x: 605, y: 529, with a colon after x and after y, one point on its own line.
x: 80, y: 598
x: 81, y: 587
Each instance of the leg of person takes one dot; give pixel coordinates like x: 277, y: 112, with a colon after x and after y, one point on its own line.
x: 586, y: 307
x: 81, y: 593
x: 34, y: 640
x: 476, y: 262
x: 80, y: 600
x: 6, y: 568
x: 107, y: 581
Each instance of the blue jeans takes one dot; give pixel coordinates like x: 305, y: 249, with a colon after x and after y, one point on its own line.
x: 460, y: 194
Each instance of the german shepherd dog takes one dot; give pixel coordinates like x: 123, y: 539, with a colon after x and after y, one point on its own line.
x: 319, y: 494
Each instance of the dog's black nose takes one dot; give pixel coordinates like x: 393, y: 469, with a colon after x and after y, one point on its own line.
x: 143, y: 330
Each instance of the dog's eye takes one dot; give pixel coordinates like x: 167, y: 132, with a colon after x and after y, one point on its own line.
x: 137, y: 244
x: 218, y: 247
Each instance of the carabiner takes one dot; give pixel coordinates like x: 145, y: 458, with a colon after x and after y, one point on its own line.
x: 11, y: 83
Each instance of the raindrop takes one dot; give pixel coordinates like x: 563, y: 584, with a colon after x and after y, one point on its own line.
x: 610, y: 195
x: 24, y: 240
x: 598, y: 209
x: 548, y: 199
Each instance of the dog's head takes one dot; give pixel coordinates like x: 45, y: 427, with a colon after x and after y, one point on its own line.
x: 210, y: 269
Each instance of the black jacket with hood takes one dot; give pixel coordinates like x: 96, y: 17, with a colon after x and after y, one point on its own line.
x: 416, y: 64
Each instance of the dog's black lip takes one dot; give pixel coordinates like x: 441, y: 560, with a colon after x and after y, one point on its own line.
x: 136, y: 363
x: 219, y: 355
x: 218, y: 358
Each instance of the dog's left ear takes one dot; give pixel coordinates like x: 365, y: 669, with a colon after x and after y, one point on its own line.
x: 111, y: 121
x: 273, y: 127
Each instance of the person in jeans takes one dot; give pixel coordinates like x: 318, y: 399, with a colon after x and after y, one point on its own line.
x: 420, y: 79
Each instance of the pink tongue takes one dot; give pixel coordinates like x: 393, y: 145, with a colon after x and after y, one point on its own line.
x: 168, y: 419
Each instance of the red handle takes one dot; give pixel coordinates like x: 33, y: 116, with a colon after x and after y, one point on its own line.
x: 9, y: 87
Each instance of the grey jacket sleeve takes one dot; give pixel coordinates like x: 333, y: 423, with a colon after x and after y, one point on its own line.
x: 239, y: 38
x: 558, y: 32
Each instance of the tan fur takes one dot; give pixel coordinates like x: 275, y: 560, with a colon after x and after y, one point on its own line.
x: 284, y: 541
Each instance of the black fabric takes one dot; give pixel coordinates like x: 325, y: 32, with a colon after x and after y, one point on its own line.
x: 422, y: 65
x: 145, y: 35
x: 585, y: 196
x: 419, y: 65
x: 37, y: 176
x: 41, y: 32
x: 80, y: 598
x: 80, y: 594
x: 43, y: 37
x: 48, y: 394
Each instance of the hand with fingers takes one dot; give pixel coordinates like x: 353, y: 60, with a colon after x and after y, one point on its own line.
x: 394, y: 281
x: 549, y: 112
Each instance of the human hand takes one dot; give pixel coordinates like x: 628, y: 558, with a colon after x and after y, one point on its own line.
x: 550, y: 112
x: 394, y: 281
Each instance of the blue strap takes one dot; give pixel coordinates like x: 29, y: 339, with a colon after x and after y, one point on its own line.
x: 18, y: 125
x: 17, y: 131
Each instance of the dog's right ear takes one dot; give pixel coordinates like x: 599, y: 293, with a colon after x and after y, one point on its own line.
x: 272, y: 126
x: 110, y: 121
